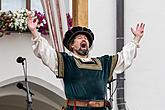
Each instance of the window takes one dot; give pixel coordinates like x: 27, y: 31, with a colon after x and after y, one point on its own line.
x: 36, y: 5
x: 6, y: 5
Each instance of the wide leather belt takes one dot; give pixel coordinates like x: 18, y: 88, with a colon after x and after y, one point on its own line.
x: 80, y: 103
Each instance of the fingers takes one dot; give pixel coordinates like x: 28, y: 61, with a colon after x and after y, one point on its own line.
x: 132, y: 30
x: 36, y: 22
x: 28, y: 12
x: 137, y: 26
x: 142, y: 25
x: 29, y: 17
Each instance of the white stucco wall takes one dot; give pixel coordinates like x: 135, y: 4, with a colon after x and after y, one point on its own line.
x: 102, y: 16
x: 144, y: 89
x: 20, y: 45
x: 145, y: 79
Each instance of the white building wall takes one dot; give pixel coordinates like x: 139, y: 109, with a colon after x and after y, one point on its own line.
x: 102, y: 16
x: 144, y: 88
x: 20, y: 45
x: 145, y: 79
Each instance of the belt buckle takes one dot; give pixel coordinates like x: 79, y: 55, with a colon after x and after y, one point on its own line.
x: 94, y: 104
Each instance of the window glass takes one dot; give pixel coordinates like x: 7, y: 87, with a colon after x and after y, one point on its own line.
x: 12, y: 5
x: 36, y: 5
x: 7, y: 5
x: 15, y: 5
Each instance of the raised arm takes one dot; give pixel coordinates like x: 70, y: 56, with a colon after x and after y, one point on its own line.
x: 129, y: 51
x: 41, y: 47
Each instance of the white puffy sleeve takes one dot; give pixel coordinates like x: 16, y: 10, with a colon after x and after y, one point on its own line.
x: 45, y: 52
x: 126, y: 56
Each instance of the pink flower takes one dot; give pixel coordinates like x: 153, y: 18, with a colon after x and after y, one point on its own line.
x: 69, y: 21
x: 42, y: 23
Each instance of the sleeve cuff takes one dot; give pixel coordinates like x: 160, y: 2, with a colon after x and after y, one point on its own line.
x: 136, y: 43
x: 37, y: 37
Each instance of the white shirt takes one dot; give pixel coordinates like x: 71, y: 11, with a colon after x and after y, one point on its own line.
x: 47, y: 54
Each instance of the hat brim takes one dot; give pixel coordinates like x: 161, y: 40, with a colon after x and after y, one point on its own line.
x: 72, y: 37
x: 71, y: 34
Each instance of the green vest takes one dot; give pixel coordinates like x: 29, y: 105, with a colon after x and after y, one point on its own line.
x: 85, y: 80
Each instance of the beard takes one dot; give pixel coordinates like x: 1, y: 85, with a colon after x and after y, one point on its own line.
x: 82, y: 52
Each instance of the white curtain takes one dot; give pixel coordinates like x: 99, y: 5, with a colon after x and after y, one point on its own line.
x: 57, y: 21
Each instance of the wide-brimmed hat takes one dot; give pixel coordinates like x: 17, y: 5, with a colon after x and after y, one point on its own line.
x: 71, y: 34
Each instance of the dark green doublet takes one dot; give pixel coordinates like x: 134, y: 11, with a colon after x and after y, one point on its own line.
x: 85, y: 80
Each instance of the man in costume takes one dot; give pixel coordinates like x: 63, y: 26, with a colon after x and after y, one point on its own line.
x: 85, y: 78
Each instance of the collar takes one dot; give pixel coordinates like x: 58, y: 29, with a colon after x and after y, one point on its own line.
x: 82, y: 59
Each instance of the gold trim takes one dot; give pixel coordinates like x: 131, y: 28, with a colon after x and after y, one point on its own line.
x: 60, y: 65
x: 95, y: 66
x: 113, y: 65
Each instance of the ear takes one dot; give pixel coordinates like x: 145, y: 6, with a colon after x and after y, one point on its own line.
x: 71, y: 47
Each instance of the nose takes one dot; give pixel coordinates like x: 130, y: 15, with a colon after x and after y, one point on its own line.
x: 84, y: 37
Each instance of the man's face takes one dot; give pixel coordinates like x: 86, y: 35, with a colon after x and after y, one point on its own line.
x: 80, y: 45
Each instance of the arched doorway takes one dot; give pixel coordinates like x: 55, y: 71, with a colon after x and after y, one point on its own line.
x: 13, y: 98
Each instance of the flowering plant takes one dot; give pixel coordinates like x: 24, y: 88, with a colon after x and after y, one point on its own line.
x: 17, y: 21
x: 42, y: 23
x: 69, y: 21
x: 5, y: 20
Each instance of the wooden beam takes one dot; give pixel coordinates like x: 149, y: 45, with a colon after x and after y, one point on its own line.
x: 80, y: 12
x: 28, y: 4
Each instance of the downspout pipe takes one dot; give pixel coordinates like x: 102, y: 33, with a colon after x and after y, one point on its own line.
x: 0, y: 4
x: 119, y: 44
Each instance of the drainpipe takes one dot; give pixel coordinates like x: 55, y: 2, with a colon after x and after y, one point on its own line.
x: 119, y: 44
x: 0, y: 4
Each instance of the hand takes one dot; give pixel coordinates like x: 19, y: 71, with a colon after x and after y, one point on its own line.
x: 31, y: 25
x: 139, y: 32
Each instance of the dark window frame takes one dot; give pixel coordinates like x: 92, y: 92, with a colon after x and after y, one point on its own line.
x: 28, y: 4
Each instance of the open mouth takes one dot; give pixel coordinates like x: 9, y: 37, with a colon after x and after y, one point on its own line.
x: 83, y: 50
x: 83, y: 45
